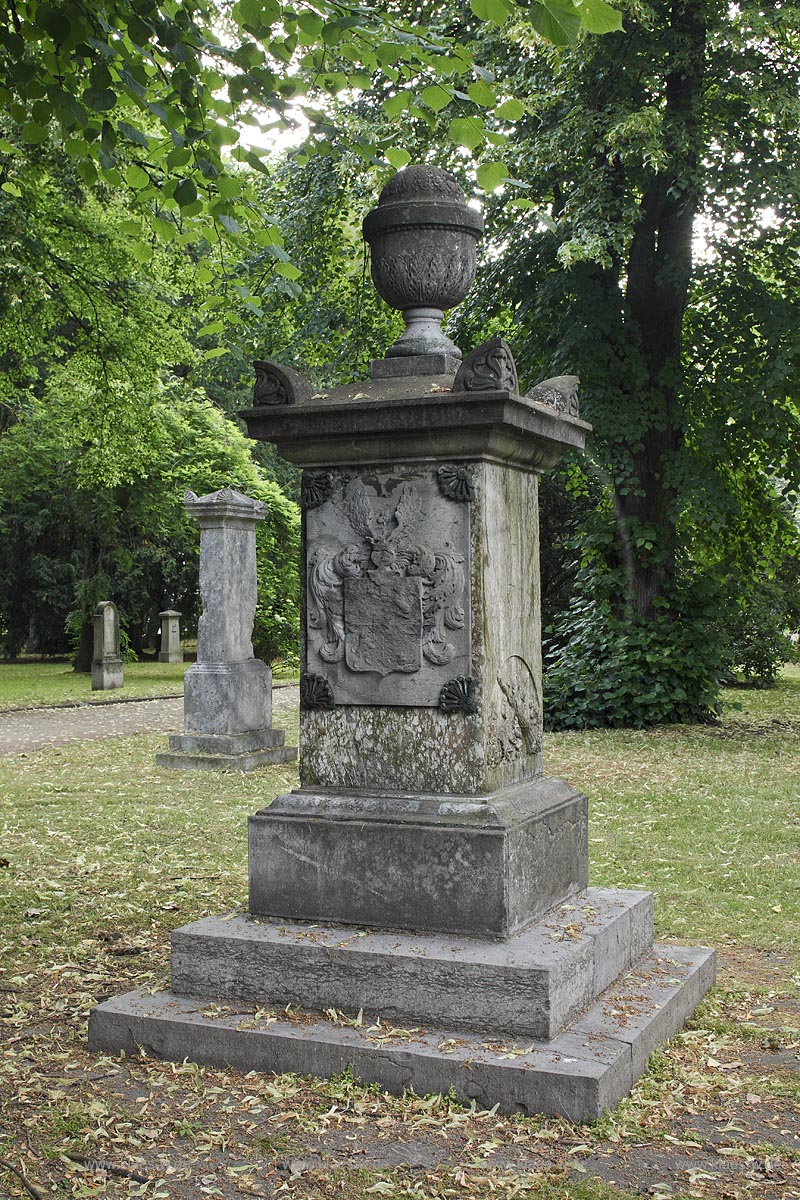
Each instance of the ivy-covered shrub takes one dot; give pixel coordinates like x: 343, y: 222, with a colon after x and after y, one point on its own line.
x: 612, y: 670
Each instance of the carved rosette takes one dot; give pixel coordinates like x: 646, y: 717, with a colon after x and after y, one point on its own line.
x: 456, y: 483
x: 316, y: 692
x: 488, y: 368
x: 560, y: 393
x: 315, y: 488
x: 458, y: 695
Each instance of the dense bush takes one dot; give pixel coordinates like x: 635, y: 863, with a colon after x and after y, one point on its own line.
x: 756, y: 642
x: 604, y: 669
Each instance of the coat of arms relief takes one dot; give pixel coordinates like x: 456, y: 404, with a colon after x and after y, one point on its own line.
x: 387, y: 589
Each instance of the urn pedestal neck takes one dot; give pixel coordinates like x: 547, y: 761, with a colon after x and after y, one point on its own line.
x: 423, y: 238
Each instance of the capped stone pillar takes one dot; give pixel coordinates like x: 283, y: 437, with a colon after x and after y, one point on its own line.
x: 171, y: 650
x: 227, y: 707
x: 106, y: 658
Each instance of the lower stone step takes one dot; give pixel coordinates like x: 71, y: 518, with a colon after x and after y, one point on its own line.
x: 187, y: 760
x: 585, y: 1070
x: 531, y: 985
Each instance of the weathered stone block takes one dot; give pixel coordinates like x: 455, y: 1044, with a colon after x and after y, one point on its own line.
x: 532, y: 985
x: 227, y: 743
x: 107, y: 675
x: 227, y: 698
x: 451, y: 864
x: 415, y: 364
x: 578, y: 1074
x: 465, y: 537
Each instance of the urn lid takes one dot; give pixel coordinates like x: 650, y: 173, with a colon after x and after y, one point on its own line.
x: 421, y: 181
x: 422, y: 195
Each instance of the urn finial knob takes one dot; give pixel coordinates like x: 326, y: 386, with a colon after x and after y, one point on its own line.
x: 423, y: 237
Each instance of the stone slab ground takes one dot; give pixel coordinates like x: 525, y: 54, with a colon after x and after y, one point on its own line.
x: 580, y: 1074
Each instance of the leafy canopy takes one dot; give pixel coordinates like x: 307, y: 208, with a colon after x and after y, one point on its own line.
x: 154, y: 94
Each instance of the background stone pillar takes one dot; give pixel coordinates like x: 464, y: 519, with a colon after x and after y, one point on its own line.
x: 227, y: 692
x: 171, y: 650
x: 106, y: 659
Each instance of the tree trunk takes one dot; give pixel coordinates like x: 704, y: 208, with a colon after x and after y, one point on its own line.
x: 658, y: 278
x: 85, y: 651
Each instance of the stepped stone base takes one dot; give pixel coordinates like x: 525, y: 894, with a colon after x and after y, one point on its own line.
x: 250, y: 761
x: 585, y: 1070
x: 531, y: 986
x: 226, y: 752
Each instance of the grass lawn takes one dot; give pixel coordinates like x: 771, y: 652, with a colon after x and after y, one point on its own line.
x: 102, y: 854
x: 36, y: 684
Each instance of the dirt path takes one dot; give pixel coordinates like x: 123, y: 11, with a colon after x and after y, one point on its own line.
x: 24, y: 731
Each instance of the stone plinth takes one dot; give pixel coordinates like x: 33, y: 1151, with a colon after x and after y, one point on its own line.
x: 532, y: 985
x: 423, y: 862
x: 171, y: 650
x: 227, y: 707
x: 579, y: 1074
x: 107, y: 670
x: 422, y: 801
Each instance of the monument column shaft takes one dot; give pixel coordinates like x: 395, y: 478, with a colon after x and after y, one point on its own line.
x: 422, y: 802
x: 228, y: 590
x: 402, y: 740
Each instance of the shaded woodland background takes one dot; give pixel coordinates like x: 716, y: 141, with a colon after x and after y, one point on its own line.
x: 640, y: 190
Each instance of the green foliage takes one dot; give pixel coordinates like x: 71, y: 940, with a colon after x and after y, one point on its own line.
x: 756, y: 643
x: 613, y: 670
x: 84, y: 324
x: 171, y: 98
x: 338, y: 324
x: 96, y: 452
x: 64, y: 549
x: 567, y: 502
x: 688, y: 373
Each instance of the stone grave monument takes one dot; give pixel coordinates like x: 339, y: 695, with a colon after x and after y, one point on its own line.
x: 227, y: 705
x: 171, y: 650
x: 106, y: 658
x: 427, y: 873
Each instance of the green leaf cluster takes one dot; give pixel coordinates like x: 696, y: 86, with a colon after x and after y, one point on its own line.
x: 66, y: 544
x: 172, y: 98
x: 612, y: 670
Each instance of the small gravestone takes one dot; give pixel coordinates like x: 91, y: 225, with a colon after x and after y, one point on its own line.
x: 171, y: 650
x: 227, y: 707
x: 106, y: 659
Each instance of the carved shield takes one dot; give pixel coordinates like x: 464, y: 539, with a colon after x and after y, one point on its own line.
x: 383, y: 623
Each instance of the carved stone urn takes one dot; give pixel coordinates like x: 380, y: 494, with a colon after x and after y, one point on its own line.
x: 423, y: 237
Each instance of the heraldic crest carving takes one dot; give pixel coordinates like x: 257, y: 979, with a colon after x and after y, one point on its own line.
x: 390, y: 599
